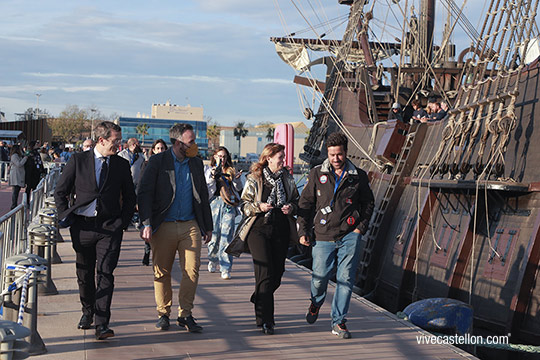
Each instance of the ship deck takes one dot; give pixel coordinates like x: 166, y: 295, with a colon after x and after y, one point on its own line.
x: 223, y: 309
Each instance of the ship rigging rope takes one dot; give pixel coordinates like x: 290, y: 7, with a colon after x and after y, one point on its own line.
x: 326, y: 101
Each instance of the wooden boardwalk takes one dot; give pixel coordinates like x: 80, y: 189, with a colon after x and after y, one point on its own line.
x: 223, y: 309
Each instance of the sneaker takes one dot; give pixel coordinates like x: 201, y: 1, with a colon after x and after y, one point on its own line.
x: 189, y: 323
x: 163, y: 323
x: 212, y: 268
x: 313, y: 313
x: 225, y: 275
x: 341, y: 331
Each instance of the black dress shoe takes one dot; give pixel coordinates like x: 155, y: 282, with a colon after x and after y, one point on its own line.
x: 85, y: 322
x: 103, y: 332
x: 268, y: 329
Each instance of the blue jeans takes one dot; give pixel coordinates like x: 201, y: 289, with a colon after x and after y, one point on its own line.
x: 223, y: 216
x: 325, y: 253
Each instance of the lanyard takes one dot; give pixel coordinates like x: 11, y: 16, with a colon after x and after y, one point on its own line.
x: 338, y: 181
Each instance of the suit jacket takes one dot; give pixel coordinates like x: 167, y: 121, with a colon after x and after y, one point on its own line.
x: 157, y: 189
x: 116, y: 198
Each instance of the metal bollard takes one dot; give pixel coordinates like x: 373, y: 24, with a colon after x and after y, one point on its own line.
x: 40, y: 240
x: 49, y: 202
x: 49, y: 216
x: 18, y: 265
x: 12, y: 347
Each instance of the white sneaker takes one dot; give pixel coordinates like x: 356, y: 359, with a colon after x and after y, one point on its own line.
x: 212, y: 267
x: 225, y: 275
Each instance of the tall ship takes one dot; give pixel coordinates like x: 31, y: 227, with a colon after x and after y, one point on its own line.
x: 457, y: 195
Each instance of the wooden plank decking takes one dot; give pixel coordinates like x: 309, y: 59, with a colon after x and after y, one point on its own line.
x: 223, y: 309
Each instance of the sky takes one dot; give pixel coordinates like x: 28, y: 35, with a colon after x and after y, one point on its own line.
x: 122, y: 56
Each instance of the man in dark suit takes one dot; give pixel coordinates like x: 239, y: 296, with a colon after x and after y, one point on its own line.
x: 175, y: 212
x: 104, y: 204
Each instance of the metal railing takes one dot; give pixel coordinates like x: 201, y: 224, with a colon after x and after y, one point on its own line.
x: 13, y: 226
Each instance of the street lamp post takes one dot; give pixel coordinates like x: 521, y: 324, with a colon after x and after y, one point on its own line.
x: 37, y: 106
x: 93, y: 116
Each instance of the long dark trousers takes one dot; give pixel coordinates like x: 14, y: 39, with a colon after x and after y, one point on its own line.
x: 96, y: 249
x: 268, y: 246
x: 15, y: 190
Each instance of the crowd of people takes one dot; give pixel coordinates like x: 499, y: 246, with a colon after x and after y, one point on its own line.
x: 25, y: 168
x: 434, y: 111
x: 182, y: 203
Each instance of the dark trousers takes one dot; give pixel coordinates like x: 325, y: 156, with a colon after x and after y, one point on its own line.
x: 96, y: 249
x: 15, y: 190
x: 268, y: 246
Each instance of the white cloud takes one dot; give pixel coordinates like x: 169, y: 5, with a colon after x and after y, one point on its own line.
x: 19, y: 38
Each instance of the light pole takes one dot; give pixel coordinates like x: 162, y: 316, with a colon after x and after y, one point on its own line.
x: 37, y: 106
x: 93, y: 116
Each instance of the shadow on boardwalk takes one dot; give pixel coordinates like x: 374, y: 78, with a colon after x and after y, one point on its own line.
x: 223, y: 309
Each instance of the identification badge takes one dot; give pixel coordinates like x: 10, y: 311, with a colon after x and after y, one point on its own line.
x: 326, y: 210
x: 348, y: 201
x: 323, y: 179
x: 323, y: 221
x: 350, y: 221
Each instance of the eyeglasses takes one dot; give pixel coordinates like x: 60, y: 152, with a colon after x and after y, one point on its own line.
x: 115, y: 141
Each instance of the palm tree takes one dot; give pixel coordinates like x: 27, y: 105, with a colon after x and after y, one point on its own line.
x: 240, y: 131
x: 142, y: 129
x: 212, y: 133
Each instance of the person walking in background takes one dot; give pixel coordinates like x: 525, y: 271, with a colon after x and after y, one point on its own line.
x: 224, y: 189
x: 104, y: 204
x: 133, y: 154
x: 16, y: 173
x: 158, y: 146
x: 337, y: 202
x: 4, y: 158
x: 269, y: 201
x: 33, y: 169
x: 87, y: 144
x: 175, y: 212
x: 4, y: 153
x: 44, y: 155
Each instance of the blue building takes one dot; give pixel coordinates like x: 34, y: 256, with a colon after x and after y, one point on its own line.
x: 159, y: 129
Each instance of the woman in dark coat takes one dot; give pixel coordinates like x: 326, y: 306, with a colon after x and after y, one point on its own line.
x: 269, y: 201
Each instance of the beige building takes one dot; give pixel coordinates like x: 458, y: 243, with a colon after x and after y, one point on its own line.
x: 256, y: 139
x: 174, y: 112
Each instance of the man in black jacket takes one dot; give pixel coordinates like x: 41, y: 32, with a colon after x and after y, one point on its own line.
x: 104, y: 204
x: 175, y: 212
x: 337, y: 203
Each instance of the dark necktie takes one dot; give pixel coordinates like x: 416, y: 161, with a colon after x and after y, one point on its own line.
x: 103, y: 173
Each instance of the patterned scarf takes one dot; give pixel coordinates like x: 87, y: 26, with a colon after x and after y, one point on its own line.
x: 277, y: 197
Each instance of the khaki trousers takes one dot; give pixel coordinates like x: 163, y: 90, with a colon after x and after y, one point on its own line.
x: 183, y: 237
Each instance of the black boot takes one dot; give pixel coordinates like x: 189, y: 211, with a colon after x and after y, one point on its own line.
x: 146, y: 259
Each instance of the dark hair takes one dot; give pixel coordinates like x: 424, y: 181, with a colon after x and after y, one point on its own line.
x: 416, y: 102
x: 178, y: 130
x: 228, y: 161
x: 16, y: 149
x: 337, y: 139
x: 268, y: 151
x: 158, y: 141
x: 104, y: 129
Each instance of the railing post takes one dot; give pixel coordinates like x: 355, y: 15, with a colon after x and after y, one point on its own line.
x: 16, y: 264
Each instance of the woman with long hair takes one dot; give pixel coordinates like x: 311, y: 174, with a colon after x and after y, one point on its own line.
x: 224, y: 188
x: 269, y: 201
x: 16, y: 173
x: 157, y: 147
